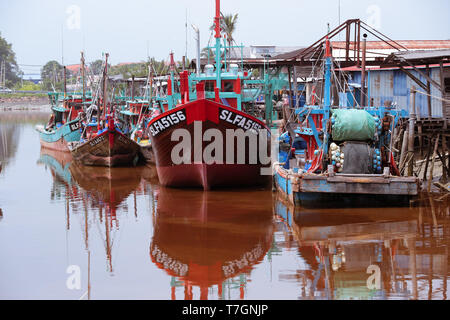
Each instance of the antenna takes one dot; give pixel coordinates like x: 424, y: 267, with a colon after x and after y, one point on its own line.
x: 339, y: 12
x: 186, y: 27
x: 62, y: 44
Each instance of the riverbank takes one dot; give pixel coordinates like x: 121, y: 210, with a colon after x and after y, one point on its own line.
x: 23, y: 100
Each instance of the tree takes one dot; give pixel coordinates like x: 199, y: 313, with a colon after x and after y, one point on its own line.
x: 97, y: 67
x: 52, y: 75
x: 8, y: 56
x: 228, y: 25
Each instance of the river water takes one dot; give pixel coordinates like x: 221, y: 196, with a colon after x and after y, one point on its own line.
x: 73, y: 232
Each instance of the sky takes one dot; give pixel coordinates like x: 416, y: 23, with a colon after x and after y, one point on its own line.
x: 131, y: 30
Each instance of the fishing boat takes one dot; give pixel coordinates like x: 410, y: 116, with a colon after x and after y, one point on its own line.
x: 63, y: 126
x: 102, y: 143
x: 341, y: 154
x: 133, y: 119
x: 201, y: 119
x: 64, y: 123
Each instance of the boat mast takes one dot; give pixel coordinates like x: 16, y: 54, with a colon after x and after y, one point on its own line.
x: 171, y: 85
x: 218, y: 46
x: 65, y: 84
x: 327, y: 97
x: 105, y: 85
x: 82, y: 76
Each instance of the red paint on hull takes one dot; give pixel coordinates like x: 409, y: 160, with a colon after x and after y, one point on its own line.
x: 209, y: 176
x: 212, y: 115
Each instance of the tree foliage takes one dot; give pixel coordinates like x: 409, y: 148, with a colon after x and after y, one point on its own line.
x: 8, y: 55
x: 52, y: 75
x: 97, y: 67
x: 228, y: 25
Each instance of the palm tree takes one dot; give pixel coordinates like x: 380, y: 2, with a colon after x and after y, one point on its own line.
x: 228, y: 26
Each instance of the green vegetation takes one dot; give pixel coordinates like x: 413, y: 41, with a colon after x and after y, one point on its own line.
x: 52, y: 75
x: 28, y: 86
x: 8, y: 55
x: 228, y: 25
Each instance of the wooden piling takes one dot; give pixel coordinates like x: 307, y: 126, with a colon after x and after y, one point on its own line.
x: 430, y: 177
x: 412, y: 120
x: 403, y: 151
x: 427, y: 160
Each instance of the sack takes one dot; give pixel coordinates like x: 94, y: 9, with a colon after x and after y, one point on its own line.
x: 352, y: 124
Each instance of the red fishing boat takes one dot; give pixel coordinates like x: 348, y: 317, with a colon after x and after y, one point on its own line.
x: 204, y: 137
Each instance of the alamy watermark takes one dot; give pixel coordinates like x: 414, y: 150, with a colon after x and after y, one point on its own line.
x: 374, y: 16
x: 73, y: 281
x: 374, y: 280
x: 73, y: 20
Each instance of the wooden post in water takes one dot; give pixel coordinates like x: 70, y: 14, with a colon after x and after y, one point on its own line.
x: 411, y: 125
x: 430, y: 177
x: 444, y: 138
x: 404, y: 150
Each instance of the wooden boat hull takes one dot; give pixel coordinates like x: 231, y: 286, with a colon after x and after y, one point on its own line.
x: 109, y: 149
x: 344, y: 190
x: 195, y: 119
x: 58, y: 139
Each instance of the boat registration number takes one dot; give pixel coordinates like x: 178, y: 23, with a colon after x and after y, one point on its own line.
x: 75, y: 126
x: 166, y: 122
x: 96, y: 141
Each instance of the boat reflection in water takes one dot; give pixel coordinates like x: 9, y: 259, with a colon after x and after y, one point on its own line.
x: 369, y: 253
x: 94, y: 194
x: 204, y: 241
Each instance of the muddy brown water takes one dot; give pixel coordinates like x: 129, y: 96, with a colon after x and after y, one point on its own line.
x: 74, y: 232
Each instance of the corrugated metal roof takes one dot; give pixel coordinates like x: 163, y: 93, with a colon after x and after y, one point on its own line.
x: 409, y: 44
x: 424, y: 54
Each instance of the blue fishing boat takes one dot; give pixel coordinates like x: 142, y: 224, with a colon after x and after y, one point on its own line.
x: 311, y: 169
x: 64, y: 123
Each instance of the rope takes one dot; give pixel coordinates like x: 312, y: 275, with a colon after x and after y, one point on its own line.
x: 438, y: 98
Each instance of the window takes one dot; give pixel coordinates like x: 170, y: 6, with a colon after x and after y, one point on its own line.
x: 447, y: 85
x: 228, y: 86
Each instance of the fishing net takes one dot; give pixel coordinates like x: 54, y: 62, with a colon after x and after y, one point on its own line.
x: 358, y: 157
x: 354, y: 125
